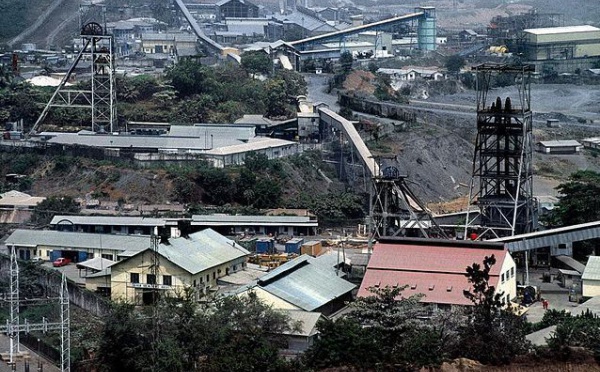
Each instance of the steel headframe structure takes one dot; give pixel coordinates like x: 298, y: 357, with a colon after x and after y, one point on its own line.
x: 502, y: 161
x: 395, y: 210
x: 97, y: 50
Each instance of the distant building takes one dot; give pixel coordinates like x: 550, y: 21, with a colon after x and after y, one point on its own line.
x: 559, y: 147
x: 235, y: 9
x: 116, y: 225
x: 261, y: 225
x: 569, y: 42
x: 436, y: 269
x: 17, y: 207
x: 412, y: 73
x: 235, y: 154
x: 591, y: 143
x: 168, y: 43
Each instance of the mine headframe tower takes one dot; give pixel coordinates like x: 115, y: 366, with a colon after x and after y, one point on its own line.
x: 394, y: 208
x: 96, y: 50
x: 502, y: 178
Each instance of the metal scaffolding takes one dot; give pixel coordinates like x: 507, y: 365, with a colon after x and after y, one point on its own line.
x: 97, y: 50
x: 502, y: 177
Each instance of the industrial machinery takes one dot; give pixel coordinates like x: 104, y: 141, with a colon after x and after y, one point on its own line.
x: 502, y: 177
x: 100, y: 99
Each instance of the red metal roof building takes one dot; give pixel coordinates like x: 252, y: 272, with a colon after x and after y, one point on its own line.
x: 436, y: 268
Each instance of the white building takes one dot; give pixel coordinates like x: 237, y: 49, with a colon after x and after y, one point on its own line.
x: 591, y: 277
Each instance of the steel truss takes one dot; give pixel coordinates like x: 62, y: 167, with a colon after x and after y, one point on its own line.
x: 502, y: 161
x: 97, y: 50
x: 396, y: 211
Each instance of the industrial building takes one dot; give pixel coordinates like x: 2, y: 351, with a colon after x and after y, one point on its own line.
x: 559, y: 147
x: 262, y: 225
x: 562, y: 42
x: 436, y: 269
x: 49, y: 244
x: 124, y: 225
x: 17, y: 207
x: 196, y: 262
x: 304, y: 283
x: 272, y: 148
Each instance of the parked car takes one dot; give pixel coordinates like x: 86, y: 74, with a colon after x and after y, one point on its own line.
x: 62, y: 261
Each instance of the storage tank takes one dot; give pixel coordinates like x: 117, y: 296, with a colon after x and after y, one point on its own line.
x: 293, y: 245
x: 426, y: 28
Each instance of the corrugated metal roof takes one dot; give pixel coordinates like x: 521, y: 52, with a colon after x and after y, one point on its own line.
x: 420, y: 283
x: 252, y: 145
x: 76, y: 240
x: 572, y: 263
x: 547, y: 238
x: 203, y: 250
x: 592, y: 269
x: 110, y: 220
x: 239, y: 132
x: 560, y: 143
x: 305, y: 285
x: 308, y: 322
x: 431, y: 258
x: 96, y: 263
x: 436, y: 271
x: 223, y: 219
x: 561, y: 30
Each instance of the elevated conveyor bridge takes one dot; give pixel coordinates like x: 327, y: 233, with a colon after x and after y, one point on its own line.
x: 385, y: 25
x: 212, y: 45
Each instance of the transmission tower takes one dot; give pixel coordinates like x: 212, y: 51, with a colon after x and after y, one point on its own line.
x: 502, y: 161
x: 65, y: 329
x: 13, y: 323
x: 13, y: 326
x: 97, y: 50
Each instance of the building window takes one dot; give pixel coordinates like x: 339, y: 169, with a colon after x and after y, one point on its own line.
x: 207, y: 278
x: 107, y: 256
x: 214, y: 275
x: 512, y: 272
x: 507, y: 274
x: 151, y: 279
x: 502, y: 278
x: 167, y: 280
x: 134, y: 277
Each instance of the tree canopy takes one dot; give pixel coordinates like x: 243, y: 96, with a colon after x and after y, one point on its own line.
x: 579, y: 201
x: 257, y: 62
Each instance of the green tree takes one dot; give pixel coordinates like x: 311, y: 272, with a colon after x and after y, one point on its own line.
x: 454, y: 63
x: 45, y: 210
x: 257, y: 62
x: 346, y: 61
x: 276, y: 99
x: 188, y: 77
x: 579, y: 201
x: 492, y: 334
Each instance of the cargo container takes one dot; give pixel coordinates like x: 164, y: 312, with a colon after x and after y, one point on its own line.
x: 313, y: 248
x: 293, y: 245
x: 265, y: 245
x: 249, y: 243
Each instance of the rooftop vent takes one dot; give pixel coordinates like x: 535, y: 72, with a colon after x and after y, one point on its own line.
x: 431, y: 287
x: 413, y: 286
x: 449, y: 289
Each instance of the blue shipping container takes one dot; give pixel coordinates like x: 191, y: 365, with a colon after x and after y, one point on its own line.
x: 293, y: 245
x: 264, y: 246
x: 82, y: 256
